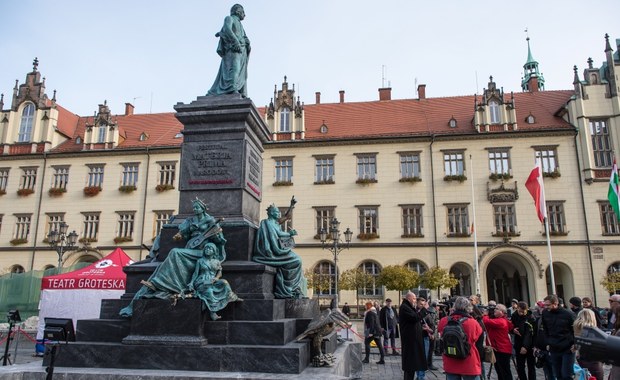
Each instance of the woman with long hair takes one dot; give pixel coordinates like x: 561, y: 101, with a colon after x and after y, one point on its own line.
x: 586, y: 318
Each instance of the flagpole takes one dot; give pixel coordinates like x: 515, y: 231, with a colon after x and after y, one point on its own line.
x: 473, y: 206
x: 546, y: 223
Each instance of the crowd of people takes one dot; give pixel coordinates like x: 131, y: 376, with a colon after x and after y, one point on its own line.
x: 474, y: 339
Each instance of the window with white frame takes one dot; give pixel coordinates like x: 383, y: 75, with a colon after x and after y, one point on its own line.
x: 494, y: 112
x: 285, y: 120
x: 602, y: 148
x: 25, y: 126
x: 412, y: 220
x: 324, y: 169
x: 324, y: 215
x: 129, y: 176
x: 409, y: 165
x: 161, y: 217
x: 499, y: 161
x: 548, y: 159
x: 125, y: 224
x: 53, y: 222
x: 454, y: 164
x: 371, y: 288
x: 95, y: 175
x: 609, y: 220
x: 368, y: 220
x: 167, y: 173
x: 556, y: 217
x: 505, y: 219
x: 284, y: 170
x: 417, y: 266
x: 90, y: 225
x: 458, y: 220
x: 367, y: 166
x: 29, y: 178
x: 60, y: 177
x: 101, y: 133
x: 4, y: 179
x: 287, y: 225
x: 22, y: 226
x: 325, y: 278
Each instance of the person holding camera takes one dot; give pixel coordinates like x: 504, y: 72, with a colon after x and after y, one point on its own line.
x: 523, y: 343
x: 498, y: 329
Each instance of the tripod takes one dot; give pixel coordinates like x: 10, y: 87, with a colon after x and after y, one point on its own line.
x: 6, y: 358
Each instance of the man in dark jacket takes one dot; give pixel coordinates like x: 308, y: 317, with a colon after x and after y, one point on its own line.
x: 523, y: 343
x: 558, y: 329
x: 575, y: 305
x: 372, y: 331
x: 388, y: 319
x: 412, y: 339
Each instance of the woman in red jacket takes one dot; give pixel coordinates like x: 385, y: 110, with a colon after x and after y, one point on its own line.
x: 499, y: 329
x: 468, y: 368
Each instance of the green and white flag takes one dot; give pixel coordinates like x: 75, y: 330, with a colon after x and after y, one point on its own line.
x: 613, y: 193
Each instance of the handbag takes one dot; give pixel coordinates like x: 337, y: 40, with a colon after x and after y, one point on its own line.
x: 489, y: 353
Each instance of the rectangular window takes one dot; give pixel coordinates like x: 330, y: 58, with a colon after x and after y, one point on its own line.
x: 548, y: 159
x: 409, y: 165
x: 367, y: 167
x: 557, y: 219
x: 125, y: 224
x: 95, y: 175
x: 284, y: 170
x: 412, y: 220
x: 609, y: 220
x: 601, y: 144
x: 324, y: 169
x: 130, y: 174
x: 161, y: 217
x: 60, y: 178
x: 29, y: 178
x: 22, y: 226
x: 324, y: 215
x: 102, y: 132
x: 499, y: 161
x: 53, y: 222
x: 453, y: 162
x: 4, y: 179
x: 167, y: 173
x: 368, y: 221
x: 458, y: 220
x: 505, y: 219
x: 90, y: 230
x: 285, y: 120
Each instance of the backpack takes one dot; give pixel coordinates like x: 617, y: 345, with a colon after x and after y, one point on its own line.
x: 454, y: 339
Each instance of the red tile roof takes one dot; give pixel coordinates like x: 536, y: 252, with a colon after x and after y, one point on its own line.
x: 392, y: 118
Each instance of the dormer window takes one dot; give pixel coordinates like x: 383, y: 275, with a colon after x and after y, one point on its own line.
x: 102, y: 133
x: 323, y: 128
x: 78, y: 140
x: 494, y: 112
x: 452, y: 122
x: 143, y: 136
x: 285, y: 120
x: 530, y: 119
x: 25, y: 127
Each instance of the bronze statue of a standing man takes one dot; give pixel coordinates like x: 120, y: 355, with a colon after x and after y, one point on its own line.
x: 234, y: 48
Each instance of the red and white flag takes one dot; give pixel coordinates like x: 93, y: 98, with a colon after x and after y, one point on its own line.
x: 535, y: 186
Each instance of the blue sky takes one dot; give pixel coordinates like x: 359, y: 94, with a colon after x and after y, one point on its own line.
x: 155, y: 53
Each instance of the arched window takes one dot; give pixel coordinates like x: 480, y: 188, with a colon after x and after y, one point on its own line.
x: 614, y: 268
x: 17, y: 269
x: 416, y: 266
x: 285, y: 120
x: 372, y: 288
x: 494, y: 112
x: 325, y: 283
x: 101, y: 134
x: 25, y: 127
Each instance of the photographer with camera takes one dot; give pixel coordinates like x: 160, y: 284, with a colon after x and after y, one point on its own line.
x: 523, y: 343
x: 498, y: 329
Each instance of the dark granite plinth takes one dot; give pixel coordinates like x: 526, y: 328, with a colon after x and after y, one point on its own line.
x: 239, y: 239
x: 249, y: 280
x: 157, y: 321
x: 136, y: 273
x: 253, y: 310
x: 329, y: 343
x: 111, y: 307
x: 264, y: 333
x: 102, y: 330
x: 301, y: 308
x: 290, y: 358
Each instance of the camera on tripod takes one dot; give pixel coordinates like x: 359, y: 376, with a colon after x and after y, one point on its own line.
x: 13, y: 316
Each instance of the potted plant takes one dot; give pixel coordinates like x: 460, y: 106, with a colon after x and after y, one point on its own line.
x: 325, y: 182
x: 127, y: 188
x: 122, y: 239
x: 24, y: 192
x: 365, y: 181
x: 282, y: 183
x: 19, y: 241
x: 2, y: 191
x: 410, y: 179
x: 164, y: 187
x: 368, y: 236
x: 553, y: 174
x: 56, y: 191
x: 86, y: 240
x: 458, y: 177
x: 91, y: 191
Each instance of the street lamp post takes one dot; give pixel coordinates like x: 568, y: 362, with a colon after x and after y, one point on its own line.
x: 61, y: 241
x: 335, y: 246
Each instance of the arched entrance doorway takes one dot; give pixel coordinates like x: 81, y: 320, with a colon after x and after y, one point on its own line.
x: 509, y: 275
x: 564, y: 286
x: 464, y: 274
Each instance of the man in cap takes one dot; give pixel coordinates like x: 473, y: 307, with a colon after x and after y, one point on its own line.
x: 388, y: 317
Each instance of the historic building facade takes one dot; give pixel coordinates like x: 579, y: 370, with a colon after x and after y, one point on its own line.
x: 421, y: 182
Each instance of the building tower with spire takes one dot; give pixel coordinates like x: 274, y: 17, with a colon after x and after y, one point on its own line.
x: 533, y: 80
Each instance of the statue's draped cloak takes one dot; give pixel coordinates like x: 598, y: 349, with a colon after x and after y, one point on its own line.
x: 289, y: 281
x: 233, y: 73
x: 215, y: 293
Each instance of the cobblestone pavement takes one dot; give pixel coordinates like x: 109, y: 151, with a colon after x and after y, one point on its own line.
x: 392, y: 368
